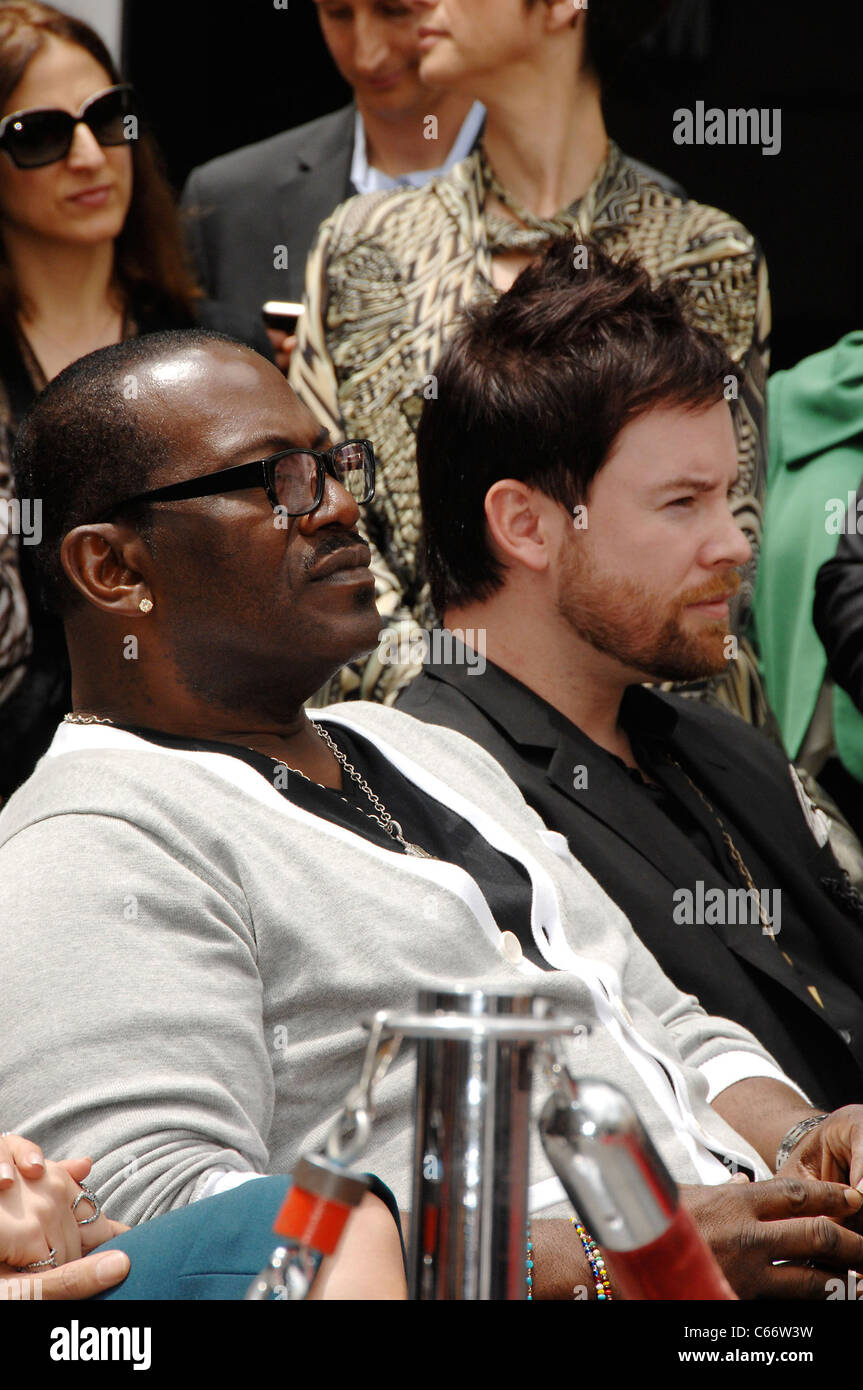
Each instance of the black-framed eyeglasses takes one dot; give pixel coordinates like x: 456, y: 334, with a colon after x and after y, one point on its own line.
x: 42, y: 135
x: 293, y: 479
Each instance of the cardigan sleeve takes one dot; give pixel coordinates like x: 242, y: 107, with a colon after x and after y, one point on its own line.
x: 132, y: 1004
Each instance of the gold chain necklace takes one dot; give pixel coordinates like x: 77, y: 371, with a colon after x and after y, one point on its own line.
x: 734, y: 853
x: 739, y: 864
x: 383, y: 817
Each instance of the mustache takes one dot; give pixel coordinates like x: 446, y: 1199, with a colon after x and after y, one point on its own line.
x: 330, y: 544
x: 726, y: 585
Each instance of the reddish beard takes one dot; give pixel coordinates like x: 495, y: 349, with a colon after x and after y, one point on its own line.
x: 639, y: 629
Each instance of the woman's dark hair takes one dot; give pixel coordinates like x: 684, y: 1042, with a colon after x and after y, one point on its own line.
x: 151, y: 265
x: 614, y: 28
x: 538, y: 385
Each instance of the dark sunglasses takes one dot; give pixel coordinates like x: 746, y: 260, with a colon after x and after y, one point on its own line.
x: 293, y: 479
x: 44, y: 135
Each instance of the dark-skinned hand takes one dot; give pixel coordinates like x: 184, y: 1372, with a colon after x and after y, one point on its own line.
x: 749, y: 1226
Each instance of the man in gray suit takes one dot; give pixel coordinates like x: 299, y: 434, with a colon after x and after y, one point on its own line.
x: 253, y: 213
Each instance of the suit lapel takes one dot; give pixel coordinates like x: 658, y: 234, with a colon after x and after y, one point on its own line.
x: 609, y: 794
x: 319, y: 146
x: 588, y: 776
x: 313, y: 187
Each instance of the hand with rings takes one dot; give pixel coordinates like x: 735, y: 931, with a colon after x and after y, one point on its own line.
x: 49, y: 1219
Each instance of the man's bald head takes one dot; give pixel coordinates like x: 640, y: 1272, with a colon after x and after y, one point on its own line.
x: 104, y: 430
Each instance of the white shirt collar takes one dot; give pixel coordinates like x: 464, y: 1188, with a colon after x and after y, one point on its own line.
x: 365, y: 178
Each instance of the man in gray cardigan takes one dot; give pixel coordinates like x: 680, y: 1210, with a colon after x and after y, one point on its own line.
x: 200, y: 902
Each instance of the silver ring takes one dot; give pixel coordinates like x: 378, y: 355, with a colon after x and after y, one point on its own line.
x: 85, y: 1195
x: 50, y: 1263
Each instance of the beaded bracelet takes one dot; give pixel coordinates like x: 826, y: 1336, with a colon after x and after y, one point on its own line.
x: 596, y: 1262
x: 594, y: 1259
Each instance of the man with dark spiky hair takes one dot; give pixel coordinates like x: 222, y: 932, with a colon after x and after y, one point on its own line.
x: 575, y: 474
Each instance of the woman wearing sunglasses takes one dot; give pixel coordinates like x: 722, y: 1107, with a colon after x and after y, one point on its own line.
x: 90, y: 253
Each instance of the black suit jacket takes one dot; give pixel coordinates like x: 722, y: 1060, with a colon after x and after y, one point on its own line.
x: 242, y: 205
x: 640, y: 857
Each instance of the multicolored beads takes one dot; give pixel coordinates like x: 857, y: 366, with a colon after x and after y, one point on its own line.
x: 597, y: 1263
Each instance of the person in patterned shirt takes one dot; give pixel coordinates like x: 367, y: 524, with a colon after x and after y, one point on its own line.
x: 390, y: 273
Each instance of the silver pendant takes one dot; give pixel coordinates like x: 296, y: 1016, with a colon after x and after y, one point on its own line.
x: 417, y: 851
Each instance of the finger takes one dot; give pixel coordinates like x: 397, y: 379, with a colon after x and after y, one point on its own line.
x: 799, y: 1173
x: 278, y: 337
x: 71, y: 1235
x: 92, y: 1232
x: 834, y: 1150
x: 739, y: 1177
x: 26, y: 1247
x: 56, y: 1235
x: 102, y: 1229
x: 77, y: 1168
x: 283, y: 356
x: 847, y: 1149
x: 779, y: 1198
x: 59, y: 1226
x: 813, y: 1238
x: 801, y: 1282
x: 83, y: 1278
x: 22, y: 1154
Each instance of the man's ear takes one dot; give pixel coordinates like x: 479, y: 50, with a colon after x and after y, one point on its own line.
x: 518, y: 523
x: 104, y: 561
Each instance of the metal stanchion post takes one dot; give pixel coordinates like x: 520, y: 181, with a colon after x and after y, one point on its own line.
x: 475, y: 1054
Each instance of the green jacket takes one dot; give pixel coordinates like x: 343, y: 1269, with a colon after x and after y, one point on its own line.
x: 815, y: 456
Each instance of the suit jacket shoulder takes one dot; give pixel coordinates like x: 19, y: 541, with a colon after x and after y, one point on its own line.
x: 252, y: 214
x: 280, y: 157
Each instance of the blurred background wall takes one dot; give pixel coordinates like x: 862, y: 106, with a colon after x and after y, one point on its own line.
x: 214, y: 76
x: 105, y: 16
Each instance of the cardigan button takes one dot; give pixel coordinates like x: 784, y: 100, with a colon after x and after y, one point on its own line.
x: 511, y: 946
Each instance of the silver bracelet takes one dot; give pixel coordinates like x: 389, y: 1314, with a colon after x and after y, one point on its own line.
x: 794, y: 1135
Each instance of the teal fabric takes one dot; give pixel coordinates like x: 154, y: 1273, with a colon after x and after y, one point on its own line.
x: 214, y: 1248
x: 209, y: 1250
x: 815, y: 456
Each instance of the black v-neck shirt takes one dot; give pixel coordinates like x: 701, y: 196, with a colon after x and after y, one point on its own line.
x: 424, y: 821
